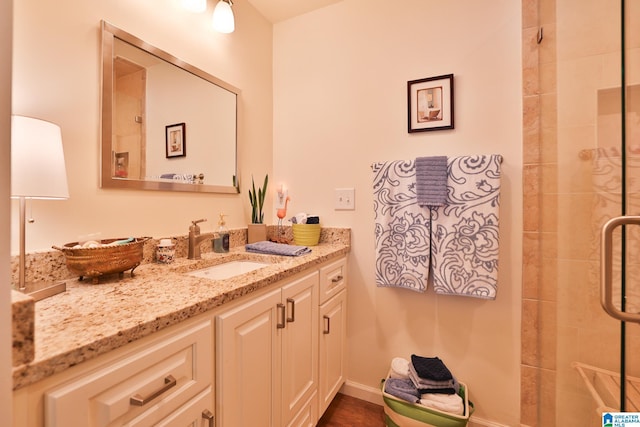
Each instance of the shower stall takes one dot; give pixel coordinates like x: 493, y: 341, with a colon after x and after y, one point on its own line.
x: 581, y: 98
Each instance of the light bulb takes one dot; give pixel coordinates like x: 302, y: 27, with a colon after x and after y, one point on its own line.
x: 223, y: 21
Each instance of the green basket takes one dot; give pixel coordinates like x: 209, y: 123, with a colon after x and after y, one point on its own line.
x: 400, y: 413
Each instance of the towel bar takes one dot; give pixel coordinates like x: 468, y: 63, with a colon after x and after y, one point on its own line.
x: 499, y: 156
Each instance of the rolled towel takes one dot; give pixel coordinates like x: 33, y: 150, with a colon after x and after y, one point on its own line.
x: 273, y: 248
x: 402, y: 389
x: 451, y: 403
x: 399, y: 368
x: 299, y: 218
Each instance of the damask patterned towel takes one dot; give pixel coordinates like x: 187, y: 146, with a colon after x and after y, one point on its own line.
x: 402, y: 228
x: 464, y: 244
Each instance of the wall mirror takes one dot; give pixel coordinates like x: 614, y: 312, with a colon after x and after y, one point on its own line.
x: 166, y: 125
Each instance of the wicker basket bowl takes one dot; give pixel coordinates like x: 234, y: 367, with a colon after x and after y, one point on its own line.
x: 98, y: 261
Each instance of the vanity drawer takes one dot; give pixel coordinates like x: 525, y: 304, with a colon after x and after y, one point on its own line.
x: 333, y: 279
x: 140, y: 389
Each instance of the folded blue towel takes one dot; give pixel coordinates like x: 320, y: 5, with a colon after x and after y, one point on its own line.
x: 402, y: 388
x: 272, y: 248
x: 431, y: 180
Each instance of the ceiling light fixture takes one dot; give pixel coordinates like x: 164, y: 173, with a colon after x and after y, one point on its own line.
x: 196, y: 6
x: 223, y: 20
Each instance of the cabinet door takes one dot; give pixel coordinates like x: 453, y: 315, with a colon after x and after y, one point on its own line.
x: 248, y: 363
x: 299, y: 345
x: 333, y: 340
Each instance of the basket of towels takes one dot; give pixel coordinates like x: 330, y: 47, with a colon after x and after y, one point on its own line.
x: 423, y: 392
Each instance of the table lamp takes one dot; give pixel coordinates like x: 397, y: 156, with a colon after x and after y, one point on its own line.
x: 37, y: 172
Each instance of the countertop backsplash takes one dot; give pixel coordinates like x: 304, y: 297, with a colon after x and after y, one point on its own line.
x: 50, y: 266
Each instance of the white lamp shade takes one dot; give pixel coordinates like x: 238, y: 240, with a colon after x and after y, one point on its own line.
x: 37, y: 160
x: 196, y: 6
x: 223, y: 20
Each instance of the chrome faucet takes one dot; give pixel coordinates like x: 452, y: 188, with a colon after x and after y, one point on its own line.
x: 195, y: 239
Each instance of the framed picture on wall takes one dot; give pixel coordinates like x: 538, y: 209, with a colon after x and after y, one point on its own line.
x: 430, y: 103
x: 176, y: 141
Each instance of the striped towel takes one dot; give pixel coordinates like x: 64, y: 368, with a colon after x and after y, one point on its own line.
x: 431, y: 180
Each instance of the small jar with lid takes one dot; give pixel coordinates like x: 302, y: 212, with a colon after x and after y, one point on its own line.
x: 166, y: 251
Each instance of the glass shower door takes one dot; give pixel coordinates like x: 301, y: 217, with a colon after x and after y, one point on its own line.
x: 598, y: 140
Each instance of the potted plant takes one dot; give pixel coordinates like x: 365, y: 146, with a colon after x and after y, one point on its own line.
x: 257, y: 230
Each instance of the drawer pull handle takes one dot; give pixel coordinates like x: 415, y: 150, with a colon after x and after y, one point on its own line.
x: 137, y: 400
x: 293, y: 309
x: 281, y: 315
x: 327, y: 323
x: 337, y: 279
x: 207, y: 415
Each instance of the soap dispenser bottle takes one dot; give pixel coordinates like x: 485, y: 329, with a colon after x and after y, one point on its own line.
x: 221, y: 242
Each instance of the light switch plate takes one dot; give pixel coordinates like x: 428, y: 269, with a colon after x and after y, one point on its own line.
x: 345, y: 199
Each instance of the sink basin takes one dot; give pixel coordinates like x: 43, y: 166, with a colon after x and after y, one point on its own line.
x: 227, y: 270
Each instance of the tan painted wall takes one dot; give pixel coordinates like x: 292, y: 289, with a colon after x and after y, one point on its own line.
x: 358, y: 56
x: 57, y: 78
x: 340, y: 77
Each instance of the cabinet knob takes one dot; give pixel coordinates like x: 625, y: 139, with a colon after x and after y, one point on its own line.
x: 327, y: 323
x: 337, y: 279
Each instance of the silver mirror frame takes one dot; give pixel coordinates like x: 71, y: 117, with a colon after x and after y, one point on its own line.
x: 109, y: 34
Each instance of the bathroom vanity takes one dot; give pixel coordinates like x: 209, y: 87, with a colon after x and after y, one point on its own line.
x: 166, y: 348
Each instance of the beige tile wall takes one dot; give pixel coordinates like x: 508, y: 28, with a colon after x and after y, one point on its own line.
x: 540, y: 205
x: 564, y: 208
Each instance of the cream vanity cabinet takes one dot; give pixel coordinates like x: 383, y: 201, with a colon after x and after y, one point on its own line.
x: 281, y: 354
x: 165, y: 379
x: 333, y: 331
x: 267, y: 357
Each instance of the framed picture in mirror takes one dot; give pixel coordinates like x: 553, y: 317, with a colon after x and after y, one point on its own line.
x: 430, y: 103
x: 176, y: 142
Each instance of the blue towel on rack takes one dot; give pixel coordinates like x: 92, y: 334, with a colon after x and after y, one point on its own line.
x: 431, y: 180
x: 272, y: 248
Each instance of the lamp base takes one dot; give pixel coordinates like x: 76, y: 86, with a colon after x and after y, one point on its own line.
x: 40, y: 291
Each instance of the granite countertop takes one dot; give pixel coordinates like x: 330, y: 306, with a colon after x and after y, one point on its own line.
x: 89, y: 320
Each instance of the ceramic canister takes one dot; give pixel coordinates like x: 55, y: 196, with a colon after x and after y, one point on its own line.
x: 166, y: 251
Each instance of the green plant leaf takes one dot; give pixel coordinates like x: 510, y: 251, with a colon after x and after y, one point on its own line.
x: 257, y: 200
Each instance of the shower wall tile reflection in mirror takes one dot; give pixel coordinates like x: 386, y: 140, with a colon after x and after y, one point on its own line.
x: 146, y: 92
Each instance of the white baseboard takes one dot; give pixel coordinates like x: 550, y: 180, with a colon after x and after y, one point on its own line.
x: 374, y: 395
x: 479, y: 422
x: 361, y: 391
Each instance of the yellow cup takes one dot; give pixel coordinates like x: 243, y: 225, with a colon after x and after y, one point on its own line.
x: 306, y: 234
